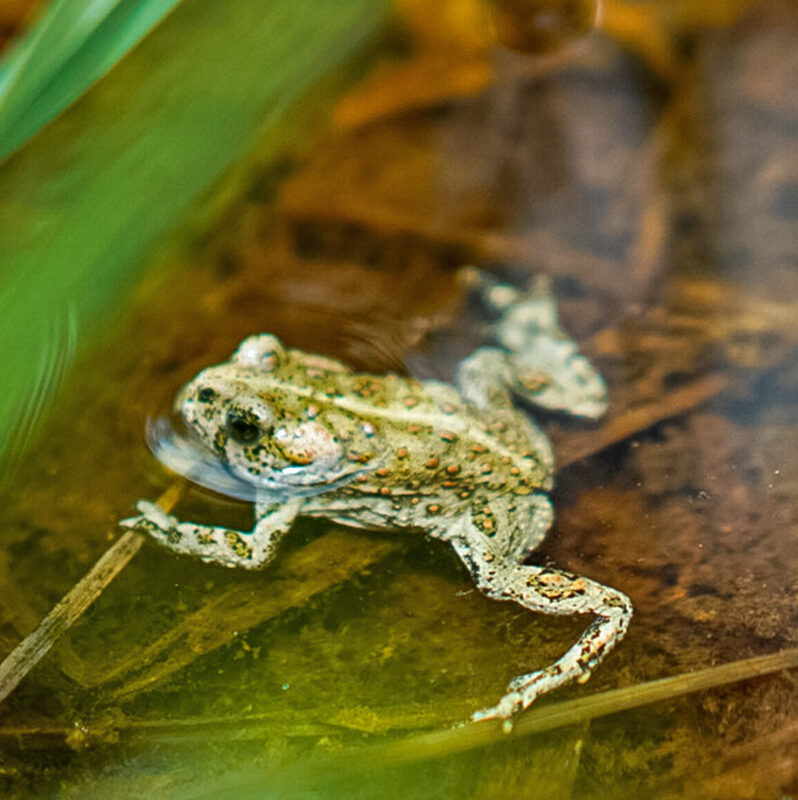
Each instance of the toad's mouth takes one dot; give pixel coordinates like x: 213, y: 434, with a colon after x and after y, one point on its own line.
x: 188, y: 457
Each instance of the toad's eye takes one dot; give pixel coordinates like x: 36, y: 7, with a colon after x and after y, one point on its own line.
x: 241, y: 429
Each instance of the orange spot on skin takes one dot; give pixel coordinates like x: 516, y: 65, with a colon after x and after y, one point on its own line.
x: 453, y: 469
x: 301, y: 459
x: 401, y: 452
x: 431, y: 463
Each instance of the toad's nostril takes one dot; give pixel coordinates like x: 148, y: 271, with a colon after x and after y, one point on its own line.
x: 206, y: 395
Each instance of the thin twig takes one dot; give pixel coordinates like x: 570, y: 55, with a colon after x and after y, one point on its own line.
x: 636, y: 420
x: 439, y: 743
x: 37, y: 644
x: 571, y: 712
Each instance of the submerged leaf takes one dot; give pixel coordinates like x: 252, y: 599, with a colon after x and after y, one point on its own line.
x: 335, y: 558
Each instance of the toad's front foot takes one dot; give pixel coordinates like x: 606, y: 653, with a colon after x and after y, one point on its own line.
x: 155, y: 521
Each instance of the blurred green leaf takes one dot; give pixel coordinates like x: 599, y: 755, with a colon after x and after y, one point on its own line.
x: 83, y: 200
x: 75, y: 43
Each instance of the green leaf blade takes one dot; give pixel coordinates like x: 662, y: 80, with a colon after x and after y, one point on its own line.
x: 74, y: 44
x: 83, y: 202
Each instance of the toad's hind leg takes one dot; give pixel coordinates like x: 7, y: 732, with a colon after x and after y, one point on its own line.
x: 542, y: 363
x: 550, y: 591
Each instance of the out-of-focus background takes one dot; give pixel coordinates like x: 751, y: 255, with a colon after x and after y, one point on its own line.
x: 177, y: 175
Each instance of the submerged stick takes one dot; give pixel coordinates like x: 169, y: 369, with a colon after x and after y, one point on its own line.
x: 438, y: 744
x: 636, y: 420
x: 314, y: 773
x: 71, y: 607
x: 584, y: 709
x: 448, y: 741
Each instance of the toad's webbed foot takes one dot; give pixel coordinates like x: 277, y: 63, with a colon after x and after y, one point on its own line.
x: 551, y: 591
x: 542, y: 364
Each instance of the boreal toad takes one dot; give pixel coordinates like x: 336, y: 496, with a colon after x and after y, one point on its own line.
x: 303, y: 435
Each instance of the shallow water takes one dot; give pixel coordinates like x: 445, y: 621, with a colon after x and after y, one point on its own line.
x: 664, y: 204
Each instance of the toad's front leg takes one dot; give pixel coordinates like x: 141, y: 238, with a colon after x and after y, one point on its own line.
x: 551, y: 591
x: 232, y: 548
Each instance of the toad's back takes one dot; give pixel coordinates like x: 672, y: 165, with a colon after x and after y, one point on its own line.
x: 425, y: 432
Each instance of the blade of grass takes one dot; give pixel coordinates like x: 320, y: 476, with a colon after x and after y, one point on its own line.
x: 470, y: 736
x: 75, y: 43
x: 81, y: 202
